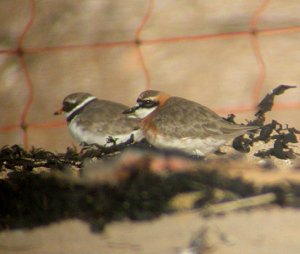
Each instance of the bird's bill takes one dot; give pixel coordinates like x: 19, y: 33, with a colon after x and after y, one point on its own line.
x: 58, y: 112
x: 131, y: 112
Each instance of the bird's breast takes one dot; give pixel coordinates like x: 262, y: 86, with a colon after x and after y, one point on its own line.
x: 149, y: 128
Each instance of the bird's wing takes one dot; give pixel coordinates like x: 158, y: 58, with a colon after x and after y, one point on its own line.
x: 109, y: 117
x: 182, y: 118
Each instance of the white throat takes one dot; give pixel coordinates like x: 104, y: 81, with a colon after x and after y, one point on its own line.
x: 143, y: 112
x: 80, y: 105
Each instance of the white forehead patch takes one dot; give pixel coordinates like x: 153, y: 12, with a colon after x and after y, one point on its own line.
x: 151, y: 98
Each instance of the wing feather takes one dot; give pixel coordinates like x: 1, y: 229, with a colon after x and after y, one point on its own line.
x: 182, y: 118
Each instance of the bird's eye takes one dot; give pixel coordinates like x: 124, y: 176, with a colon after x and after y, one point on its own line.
x: 149, y: 103
x: 68, y: 106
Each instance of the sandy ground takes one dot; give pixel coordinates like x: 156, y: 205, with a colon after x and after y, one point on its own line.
x: 270, y: 230
x: 267, y: 229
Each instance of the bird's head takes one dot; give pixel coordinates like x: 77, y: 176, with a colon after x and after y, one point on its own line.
x: 147, y: 102
x: 73, y: 102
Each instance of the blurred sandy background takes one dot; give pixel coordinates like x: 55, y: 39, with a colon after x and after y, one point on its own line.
x: 220, y: 72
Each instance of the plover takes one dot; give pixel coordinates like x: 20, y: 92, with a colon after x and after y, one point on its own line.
x: 94, y: 121
x: 177, y: 123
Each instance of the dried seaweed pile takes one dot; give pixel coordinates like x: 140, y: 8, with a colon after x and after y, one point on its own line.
x: 31, y: 199
x: 274, y: 132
